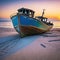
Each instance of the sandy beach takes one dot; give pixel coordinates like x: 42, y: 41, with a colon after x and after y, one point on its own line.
x: 40, y: 16
x: 38, y: 47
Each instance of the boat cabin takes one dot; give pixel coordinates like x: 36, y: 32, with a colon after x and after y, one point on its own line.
x: 27, y: 12
x: 44, y: 19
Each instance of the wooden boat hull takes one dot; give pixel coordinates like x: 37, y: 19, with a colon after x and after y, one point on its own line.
x: 25, y: 25
x: 30, y: 30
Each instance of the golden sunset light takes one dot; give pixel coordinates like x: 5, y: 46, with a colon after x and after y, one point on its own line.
x: 52, y: 9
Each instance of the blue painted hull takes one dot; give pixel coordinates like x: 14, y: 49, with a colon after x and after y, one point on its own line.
x: 25, y: 25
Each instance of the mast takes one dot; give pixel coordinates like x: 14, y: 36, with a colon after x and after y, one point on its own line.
x: 43, y: 12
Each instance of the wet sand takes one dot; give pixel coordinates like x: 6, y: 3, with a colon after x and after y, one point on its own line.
x: 38, y: 47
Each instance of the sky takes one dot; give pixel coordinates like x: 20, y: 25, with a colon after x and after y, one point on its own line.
x: 52, y: 7
x: 10, y: 7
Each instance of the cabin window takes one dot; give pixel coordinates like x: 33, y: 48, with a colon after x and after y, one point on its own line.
x: 25, y: 12
x: 43, y: 20
x: 30, y: 12
x: 20, y: 12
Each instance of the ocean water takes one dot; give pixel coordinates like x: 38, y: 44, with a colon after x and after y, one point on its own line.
x: 7, y: 23
x: 38, y: 47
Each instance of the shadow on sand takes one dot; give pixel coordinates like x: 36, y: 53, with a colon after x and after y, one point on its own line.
x: 13, y: 43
